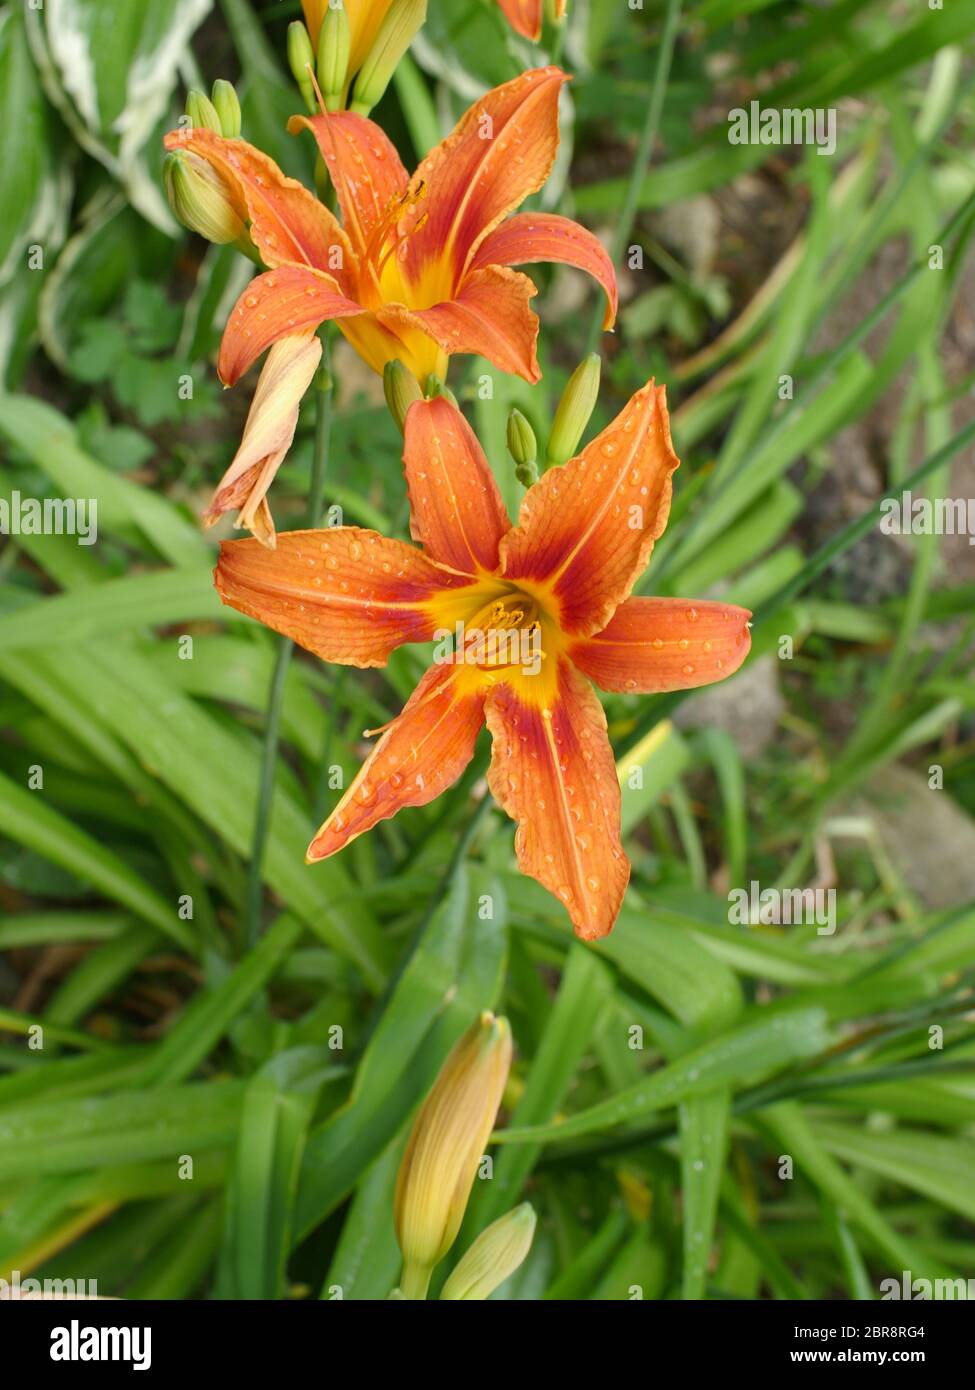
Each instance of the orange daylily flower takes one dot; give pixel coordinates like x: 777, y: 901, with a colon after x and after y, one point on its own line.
x: 541, y: 606
x: 525, y: 16
x: 419, y: 269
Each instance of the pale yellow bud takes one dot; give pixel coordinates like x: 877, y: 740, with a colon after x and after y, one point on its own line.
x: 445, y: 1147
x: 496, y: 1254
x: 200, y: 199
x: 402, y: 23
x: 575, y: 407
x: 202, y: 112
x: 226, y: 104
x: 334, y: 45
x: 301, y: 61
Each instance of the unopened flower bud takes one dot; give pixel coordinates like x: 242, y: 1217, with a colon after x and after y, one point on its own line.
x: 227, y: 107
x: 301, y: 61
x: 200, y: 199
x: 334, y: 44
x: 400, y: 26
x: 523, y: 448
x: 575, y: 407
x: 202, y: 112
x: 445, y: 1147
x: 494, y: 1256
x: 436, y: 386
x: 401, y: 389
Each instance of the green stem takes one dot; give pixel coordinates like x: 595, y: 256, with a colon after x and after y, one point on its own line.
x: 648, y: 138
x: 272, y: 726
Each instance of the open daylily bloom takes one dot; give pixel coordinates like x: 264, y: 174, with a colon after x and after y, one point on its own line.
x: 541, y: 606
x: 420, y: 268
x: 525, y: 16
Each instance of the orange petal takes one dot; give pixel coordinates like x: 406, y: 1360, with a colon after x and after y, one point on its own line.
x: 346, y: 594
x: 490, y: 317
x: 545, y: 237
x: 367, y: 172
x: 586, y: 529
x: 456, y: 509
x: 501, y: 150
x: 288, y: 224
x: 270, y: 428
x: 275, y: 305
x: 552, y: 769
x: 658, y: 644
x: 423, y: 751
x: 524, y: 16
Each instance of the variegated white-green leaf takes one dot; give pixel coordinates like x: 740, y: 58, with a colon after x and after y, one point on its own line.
x: 34, y: 183
x: 110, y: 66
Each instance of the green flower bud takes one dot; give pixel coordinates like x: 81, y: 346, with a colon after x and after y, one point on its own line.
x: 496, y: 1254
x: 227, y: 107
x: 401, y: 389
x: 523, y: 448
x: 435, y: 386
x: 403, y: 21
x: 202, y: 112
x: 301, y: 61
x: 334, y: 45
x: 575, y: 408
x: 200, y: 199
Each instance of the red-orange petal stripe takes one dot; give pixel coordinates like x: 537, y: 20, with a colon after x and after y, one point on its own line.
x: 420, y: 755
x: 501, y: 151
x: 275, y: 305
x: 490, y: 317
x: 288, y: 224
x: 546, y: 237
x: 366, y: 170
x: 346, y: 594
x: 659, y: 644
x: 553, y: 771
x: 456, y: 509
x: 587, y: 528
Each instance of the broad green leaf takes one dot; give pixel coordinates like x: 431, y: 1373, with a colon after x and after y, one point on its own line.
x: 752, y: 1050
